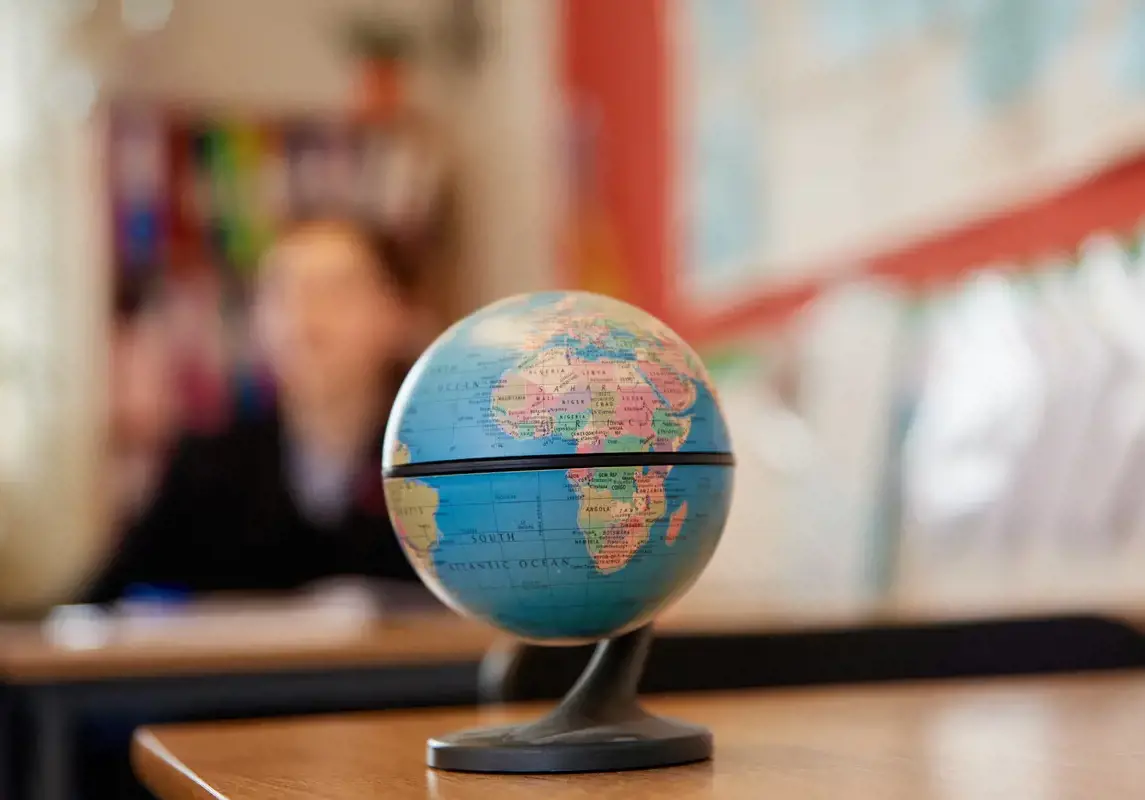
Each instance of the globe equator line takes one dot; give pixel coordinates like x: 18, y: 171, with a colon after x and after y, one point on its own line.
x: 467, y: 466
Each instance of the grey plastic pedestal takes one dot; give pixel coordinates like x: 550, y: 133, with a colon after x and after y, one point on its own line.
x: 598, y: 727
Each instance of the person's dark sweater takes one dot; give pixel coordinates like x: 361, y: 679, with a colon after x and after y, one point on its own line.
x: 225, y: 518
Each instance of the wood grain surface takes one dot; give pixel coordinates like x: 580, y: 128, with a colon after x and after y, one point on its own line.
x: 1031, y: 739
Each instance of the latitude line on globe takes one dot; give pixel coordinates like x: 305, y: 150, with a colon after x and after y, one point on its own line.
x: 568, y: 461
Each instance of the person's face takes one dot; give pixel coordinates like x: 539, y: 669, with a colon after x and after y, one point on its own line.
x: 142, y: 404
x: 328, y: 321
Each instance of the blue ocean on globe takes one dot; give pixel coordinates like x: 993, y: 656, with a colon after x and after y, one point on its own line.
x: 557, y: 465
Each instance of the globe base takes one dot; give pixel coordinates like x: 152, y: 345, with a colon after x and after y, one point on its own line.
x: 598, y: 727
x: 641, y: 743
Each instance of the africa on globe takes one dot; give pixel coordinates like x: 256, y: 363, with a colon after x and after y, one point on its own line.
x: 557, y: 465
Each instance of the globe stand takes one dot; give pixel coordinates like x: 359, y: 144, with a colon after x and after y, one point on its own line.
x: 598, y: 727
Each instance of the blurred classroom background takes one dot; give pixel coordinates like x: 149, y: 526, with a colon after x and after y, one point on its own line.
x: 906, y: 236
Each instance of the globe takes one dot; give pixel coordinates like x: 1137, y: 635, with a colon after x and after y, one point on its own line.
x: 557, y: 465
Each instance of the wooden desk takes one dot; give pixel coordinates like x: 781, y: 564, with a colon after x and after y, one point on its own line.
x: 29, y: 655
x: 1075, y: 737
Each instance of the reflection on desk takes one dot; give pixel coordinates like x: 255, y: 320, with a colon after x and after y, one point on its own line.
x: 1046, y: 738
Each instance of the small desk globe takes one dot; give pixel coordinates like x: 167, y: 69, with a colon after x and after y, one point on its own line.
x: 556, y: 464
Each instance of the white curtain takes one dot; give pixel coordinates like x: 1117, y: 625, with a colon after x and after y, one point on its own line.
x: 52, y: 301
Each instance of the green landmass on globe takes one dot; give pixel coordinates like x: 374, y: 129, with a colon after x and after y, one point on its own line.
x: 544, y: 552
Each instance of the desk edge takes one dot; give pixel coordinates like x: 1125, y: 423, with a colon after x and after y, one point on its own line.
x: 163, y: 774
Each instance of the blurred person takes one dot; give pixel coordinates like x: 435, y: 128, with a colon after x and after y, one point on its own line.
x: 295, y: 497
x: 196, y: 333
x: 142, y: 420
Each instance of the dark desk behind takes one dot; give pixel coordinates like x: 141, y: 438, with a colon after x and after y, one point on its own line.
x: 182, y: 645
x: 213, y: 661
